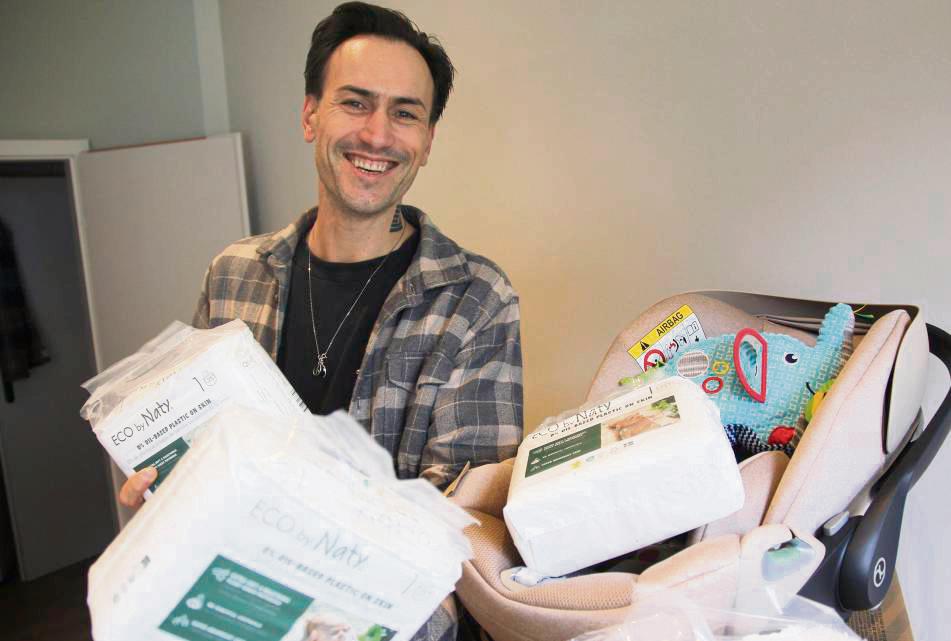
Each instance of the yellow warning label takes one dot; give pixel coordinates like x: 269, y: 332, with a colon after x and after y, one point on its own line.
x: 660, y: 331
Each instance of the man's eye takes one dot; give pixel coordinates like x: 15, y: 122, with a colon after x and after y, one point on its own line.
x: 406, y: 115
x: 353, y: 104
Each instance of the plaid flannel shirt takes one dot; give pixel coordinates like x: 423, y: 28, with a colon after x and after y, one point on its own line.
x: 441, y: 380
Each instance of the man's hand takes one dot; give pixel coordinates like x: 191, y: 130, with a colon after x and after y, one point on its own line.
x: 132, y: 491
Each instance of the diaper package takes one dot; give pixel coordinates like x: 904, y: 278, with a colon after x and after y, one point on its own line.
x: 639, y: 467
x: 147, y: 408
x: 277, y: 529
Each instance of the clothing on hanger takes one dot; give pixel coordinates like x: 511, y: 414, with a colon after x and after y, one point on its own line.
x: 20, y: 345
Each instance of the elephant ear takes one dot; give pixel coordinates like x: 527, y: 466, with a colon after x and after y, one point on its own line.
x: 836, y: 332
x: 750, y: 357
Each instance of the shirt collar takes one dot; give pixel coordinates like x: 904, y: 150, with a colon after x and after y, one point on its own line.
x: 282, y: 243
x: 438, y: 262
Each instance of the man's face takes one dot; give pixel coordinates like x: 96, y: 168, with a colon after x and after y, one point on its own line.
x: 370, y: 128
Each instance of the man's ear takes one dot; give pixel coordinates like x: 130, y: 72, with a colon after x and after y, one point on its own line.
x: 429, y: 146
x: 309, y: 118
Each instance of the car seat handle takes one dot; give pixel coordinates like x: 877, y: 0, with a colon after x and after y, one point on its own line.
x: 869, y: 561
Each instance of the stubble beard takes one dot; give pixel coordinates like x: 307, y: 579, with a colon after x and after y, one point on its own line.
x: 356, y: 208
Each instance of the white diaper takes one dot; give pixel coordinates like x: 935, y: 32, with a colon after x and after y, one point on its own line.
x: 266, y: 531
x: 147, y: 408
x: 612, y: 477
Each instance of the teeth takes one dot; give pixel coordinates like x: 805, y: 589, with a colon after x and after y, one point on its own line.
x: 370, y: 165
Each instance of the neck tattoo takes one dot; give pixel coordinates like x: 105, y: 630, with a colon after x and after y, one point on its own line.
x: 397, y: 223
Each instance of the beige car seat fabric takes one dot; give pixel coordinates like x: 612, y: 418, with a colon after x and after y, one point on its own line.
x: 507, y: 620
x: 485, y: 488
x: 821, y: 479
x: 761, y: 475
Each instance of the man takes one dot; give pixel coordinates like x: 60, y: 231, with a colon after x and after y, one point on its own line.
x: 362, y: 302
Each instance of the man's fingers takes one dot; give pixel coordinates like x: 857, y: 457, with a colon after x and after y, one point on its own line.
x: 132, y: 491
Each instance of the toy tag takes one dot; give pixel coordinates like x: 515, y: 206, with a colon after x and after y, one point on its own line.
x: 750, y: 355
x: 674, y: 333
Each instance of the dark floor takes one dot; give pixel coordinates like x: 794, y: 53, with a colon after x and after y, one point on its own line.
x: 51, y: 608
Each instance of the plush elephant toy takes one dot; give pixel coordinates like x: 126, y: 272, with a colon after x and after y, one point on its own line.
x: 764, y: 384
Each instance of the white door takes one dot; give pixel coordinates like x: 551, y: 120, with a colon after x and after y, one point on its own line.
x: 152, y: 218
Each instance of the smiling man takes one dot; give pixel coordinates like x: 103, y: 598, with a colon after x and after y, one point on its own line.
x: 364, y: 303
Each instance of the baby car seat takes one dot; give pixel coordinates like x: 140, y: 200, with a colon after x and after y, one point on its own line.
x: 824, y: 522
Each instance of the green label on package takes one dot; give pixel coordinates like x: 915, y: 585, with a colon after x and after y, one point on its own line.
x: 563, y: 450
x: 231, y: 602
x: 164, y: 460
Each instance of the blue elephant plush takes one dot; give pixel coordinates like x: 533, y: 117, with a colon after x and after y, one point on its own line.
x: 763, y: 383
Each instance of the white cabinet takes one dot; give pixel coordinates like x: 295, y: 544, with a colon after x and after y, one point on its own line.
x: 111, y: 250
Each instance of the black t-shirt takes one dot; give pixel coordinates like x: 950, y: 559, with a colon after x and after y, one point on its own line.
x: 334, y: 287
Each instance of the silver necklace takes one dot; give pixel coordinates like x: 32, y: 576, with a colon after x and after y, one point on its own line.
x: 320, y: 368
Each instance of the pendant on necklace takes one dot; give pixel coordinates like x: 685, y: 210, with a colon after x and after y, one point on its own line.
x: 320, y: 369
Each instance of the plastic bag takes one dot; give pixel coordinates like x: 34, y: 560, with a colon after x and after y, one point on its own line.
x: 619, y: 474
x: 265, y: 531
x: 764, y: 614
x: 146, y: 409
x: 760, y: 614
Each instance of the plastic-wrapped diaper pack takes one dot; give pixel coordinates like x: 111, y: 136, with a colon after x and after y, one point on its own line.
x: 614, y: 476
x: 280, y: 529
x: 761, y: 614
x: 147, y: 408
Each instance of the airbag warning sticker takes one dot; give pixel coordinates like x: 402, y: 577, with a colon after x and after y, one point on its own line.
x: 675, y: 332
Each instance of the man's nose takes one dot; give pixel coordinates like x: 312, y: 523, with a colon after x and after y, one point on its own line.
x: 377, y: 130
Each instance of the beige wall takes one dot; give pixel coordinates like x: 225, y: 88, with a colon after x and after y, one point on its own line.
x: 608, y: 154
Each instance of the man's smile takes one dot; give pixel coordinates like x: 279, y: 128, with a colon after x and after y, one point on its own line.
x: 370, y: 166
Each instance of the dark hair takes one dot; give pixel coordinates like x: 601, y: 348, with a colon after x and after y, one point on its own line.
x: 358, y: 18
